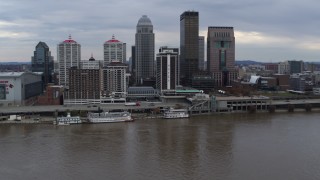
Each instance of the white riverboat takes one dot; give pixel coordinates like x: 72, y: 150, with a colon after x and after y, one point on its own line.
x: 68, y: 120
x: 175, y: 113
x: 108, y: 117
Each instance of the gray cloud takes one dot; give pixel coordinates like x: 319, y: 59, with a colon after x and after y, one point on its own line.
x: 269, y: 30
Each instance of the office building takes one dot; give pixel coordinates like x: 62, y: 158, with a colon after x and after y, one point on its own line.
x: 69, y: 55
x: 144, y: 51
x: 189, y: 46
x: 296, y: 66
x: 133, y: 59
x: 42, y: 61
x: 202, y: 65
x: 221, y: 55
x: 114, y: 50
x: 297, y: 83
x: 272, y: 67
x: 167, y: 77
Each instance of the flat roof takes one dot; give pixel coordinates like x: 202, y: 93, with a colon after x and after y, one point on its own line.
x: 16, y: 74
x: 188, y: 91
x: 11, y: 74
x: 230, y: 98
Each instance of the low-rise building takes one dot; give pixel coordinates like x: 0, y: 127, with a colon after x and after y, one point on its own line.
x: 142, y: 93
x: 297, y: 84
x: 19, y: 88
x: 52, y: 96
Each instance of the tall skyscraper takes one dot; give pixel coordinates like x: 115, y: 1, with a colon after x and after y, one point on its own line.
x: 201, y: 54
x: 114, y: 50
x: 221, y: 55
x: 144, y: 50
x: 69, y: 55
x: 189, y: 45
x: 42, y: 61
x: 167, y: 68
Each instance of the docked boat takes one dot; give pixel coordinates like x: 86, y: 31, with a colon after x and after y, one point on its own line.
x: 108, y: 117
x: 176, y: 113
x: 68, y: 120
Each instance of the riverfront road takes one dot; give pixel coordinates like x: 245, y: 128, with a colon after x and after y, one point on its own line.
x: 300, y: 101
x: 144, y: 105
x: 61, y: 108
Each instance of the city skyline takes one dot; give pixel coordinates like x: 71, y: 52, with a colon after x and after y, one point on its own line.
x: 267, y: 31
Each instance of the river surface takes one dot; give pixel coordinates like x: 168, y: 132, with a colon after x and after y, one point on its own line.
x: 236, y: 146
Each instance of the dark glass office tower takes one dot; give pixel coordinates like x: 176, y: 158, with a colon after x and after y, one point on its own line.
x: 42, y: 61
x: 189, y: 46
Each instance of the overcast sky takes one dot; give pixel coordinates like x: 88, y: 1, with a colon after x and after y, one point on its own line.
x: 265, y: 30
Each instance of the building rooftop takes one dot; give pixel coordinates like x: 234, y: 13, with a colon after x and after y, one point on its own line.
x: 10, y: 74
x: 70, y: 40
x: 235, y: 98
x: 17, y: 74
x: 113, y: 40
x: 144, y: 21
x: 116, y: 63
x: 92, y: 58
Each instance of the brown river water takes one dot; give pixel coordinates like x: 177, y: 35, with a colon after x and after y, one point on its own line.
x: 237, y: 146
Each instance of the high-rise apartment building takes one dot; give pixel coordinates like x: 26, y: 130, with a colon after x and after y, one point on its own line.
x: 189, y: 46
x: 84, y: 83
x: 221, y: 55
x: 167, y: 68
x: 114, y: 50
x: 283, y: 67
x: 69, y: 55
x: 114, y: 78
x: 42, y: 61
x: 202, y: 65
x: 91, y: 63
x: 144, y: 50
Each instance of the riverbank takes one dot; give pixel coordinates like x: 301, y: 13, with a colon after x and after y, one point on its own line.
x: 140, y: 116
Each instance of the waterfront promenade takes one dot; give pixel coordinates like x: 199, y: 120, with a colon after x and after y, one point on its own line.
x: 63, y: 108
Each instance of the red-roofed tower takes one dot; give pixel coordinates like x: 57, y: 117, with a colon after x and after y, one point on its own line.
x: 114, y: 50
x: 68, y: 55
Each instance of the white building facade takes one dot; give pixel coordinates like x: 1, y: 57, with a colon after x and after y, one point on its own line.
x: 114, y: 50
x: 284, y: 67
x: 19, y: 88
x: 91, y: 64
x: 68, y: 55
